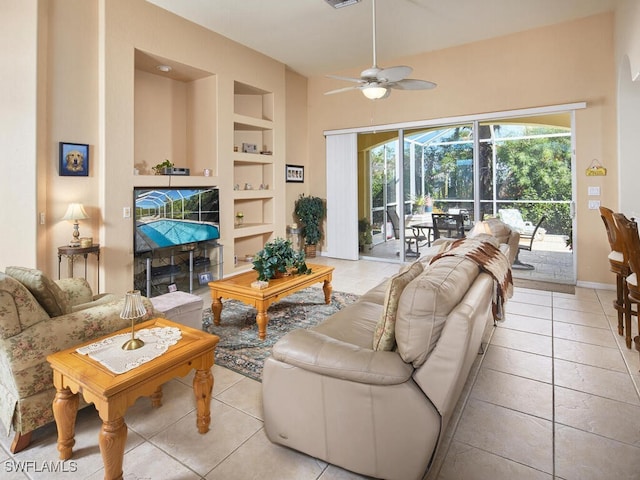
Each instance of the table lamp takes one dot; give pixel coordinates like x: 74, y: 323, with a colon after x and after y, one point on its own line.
x: 74, y: 213
x: 133, y: 309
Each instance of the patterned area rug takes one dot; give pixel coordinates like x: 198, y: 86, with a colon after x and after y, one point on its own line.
x: 241, y: 350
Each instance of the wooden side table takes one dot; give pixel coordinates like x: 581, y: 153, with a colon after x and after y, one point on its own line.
x: 112, y: 393
x: 72, y: 252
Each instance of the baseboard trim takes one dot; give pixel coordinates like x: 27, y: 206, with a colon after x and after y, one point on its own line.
x: 545, y: 286
x: 596, y: 285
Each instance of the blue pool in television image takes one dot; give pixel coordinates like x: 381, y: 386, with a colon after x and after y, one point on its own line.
x: 168, y: 233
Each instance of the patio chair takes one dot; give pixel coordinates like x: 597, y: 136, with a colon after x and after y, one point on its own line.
x: 410, y: 236
x: 513, y: 218
x: 451, y: 223
x: 531, y: 237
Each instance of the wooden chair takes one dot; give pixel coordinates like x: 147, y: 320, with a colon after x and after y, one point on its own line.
x: 628, y: 230
x: 618, y: 265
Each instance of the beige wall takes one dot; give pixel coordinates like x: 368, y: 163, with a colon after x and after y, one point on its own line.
x: 88, y: 96
x: 567, y: 63
x: 297, y: 138
x: 628, y: 71
x: 20, y: 126
x: 136, y: 24
x: 82, y: 90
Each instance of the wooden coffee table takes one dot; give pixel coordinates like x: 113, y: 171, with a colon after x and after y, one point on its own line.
x: 112, y: 393
x: 239, y: 288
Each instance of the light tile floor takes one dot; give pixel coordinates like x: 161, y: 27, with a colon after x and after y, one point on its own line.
x: 554, y: 396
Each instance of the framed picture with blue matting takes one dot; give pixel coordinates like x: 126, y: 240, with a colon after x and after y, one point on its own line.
x: 74, y: 159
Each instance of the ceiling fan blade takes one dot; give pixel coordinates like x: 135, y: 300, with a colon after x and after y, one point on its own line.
x: 412, y: 84
x: 347, y: 79
x: 394, y: 74
x: 340, y: 90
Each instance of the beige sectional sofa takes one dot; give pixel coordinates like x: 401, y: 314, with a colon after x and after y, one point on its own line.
x: 373, y: 387
x: 39, y: 316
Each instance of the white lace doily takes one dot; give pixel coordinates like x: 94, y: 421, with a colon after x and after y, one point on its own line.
x: 109, y: 352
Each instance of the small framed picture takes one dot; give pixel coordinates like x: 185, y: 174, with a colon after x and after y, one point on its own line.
x: 205, y: 278
x: 249, y: 148
x: 295, y: 173
x: 74, y: 159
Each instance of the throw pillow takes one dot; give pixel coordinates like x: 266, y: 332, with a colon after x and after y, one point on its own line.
x: 49, y: 295
x: 384, y: 337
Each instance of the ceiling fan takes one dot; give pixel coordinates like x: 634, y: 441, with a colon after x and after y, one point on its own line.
x: 376, y: 83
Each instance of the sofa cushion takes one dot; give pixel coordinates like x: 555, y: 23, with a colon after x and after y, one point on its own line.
x: 45, y: 290
x: 384, y: 337
x: 427, y: 301
x: 77, y: 289
x: 18, y: 308
x: 494, y: 227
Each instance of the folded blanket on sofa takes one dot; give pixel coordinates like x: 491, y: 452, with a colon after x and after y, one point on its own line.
x: 489, y: 259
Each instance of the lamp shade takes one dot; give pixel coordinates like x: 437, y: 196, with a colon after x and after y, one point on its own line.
x: 75, y: 211
x: 133, y: 306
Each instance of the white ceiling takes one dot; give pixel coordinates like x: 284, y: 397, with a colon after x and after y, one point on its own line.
x: 312, y: 38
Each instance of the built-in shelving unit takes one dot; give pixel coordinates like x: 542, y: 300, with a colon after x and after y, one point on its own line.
x: 253, y: 173
x: 184, y: 115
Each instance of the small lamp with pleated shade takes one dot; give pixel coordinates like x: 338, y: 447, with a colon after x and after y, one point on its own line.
x: 75, y: 212
x: 133, y: 309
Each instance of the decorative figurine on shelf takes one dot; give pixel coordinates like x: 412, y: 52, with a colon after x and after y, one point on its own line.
x: 239, y: 218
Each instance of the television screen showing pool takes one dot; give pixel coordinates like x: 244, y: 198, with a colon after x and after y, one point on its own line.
x: 170, y: 217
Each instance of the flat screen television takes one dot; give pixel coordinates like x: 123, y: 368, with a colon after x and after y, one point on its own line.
x: 168, y: 217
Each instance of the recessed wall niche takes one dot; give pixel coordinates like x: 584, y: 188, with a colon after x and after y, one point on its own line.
x: 174, y: 115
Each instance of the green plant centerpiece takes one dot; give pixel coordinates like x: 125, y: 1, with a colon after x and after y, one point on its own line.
x: 279, y: 257
x: 310, y: 212
x: 159, y: 168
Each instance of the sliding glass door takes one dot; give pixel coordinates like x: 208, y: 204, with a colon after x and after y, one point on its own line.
x: 504, y: 168
x: 440, y: 167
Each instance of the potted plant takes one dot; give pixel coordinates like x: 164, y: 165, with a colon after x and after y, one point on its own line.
x: 310, y: 212
x: 419, y: 203
x: 159, y: 168
x: 278, y: 258
x: 365, y: 239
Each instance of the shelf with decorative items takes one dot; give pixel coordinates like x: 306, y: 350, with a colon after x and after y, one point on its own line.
x: 254, y: 196
x: 251, y: 213
x: 251, y: 177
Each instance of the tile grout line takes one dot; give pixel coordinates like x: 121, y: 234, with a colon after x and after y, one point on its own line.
x: 553, y: 392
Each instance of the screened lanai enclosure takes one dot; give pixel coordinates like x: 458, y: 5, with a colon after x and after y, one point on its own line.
x: 517, y: 170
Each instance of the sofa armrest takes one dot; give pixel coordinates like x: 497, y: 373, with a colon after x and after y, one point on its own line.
x: 318, y: 353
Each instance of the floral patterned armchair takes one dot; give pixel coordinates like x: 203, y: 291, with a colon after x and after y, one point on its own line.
x: 38, y: 317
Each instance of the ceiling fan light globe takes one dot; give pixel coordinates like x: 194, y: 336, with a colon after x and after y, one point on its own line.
x: 375, y: 93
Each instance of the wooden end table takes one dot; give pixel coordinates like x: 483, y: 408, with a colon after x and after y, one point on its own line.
x: 113, y: 393
x: 239, y: 288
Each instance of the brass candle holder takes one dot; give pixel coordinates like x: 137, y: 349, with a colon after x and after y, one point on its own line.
x: 133, y: 309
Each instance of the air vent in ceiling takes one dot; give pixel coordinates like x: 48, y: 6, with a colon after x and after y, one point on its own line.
x: 341, y: 3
